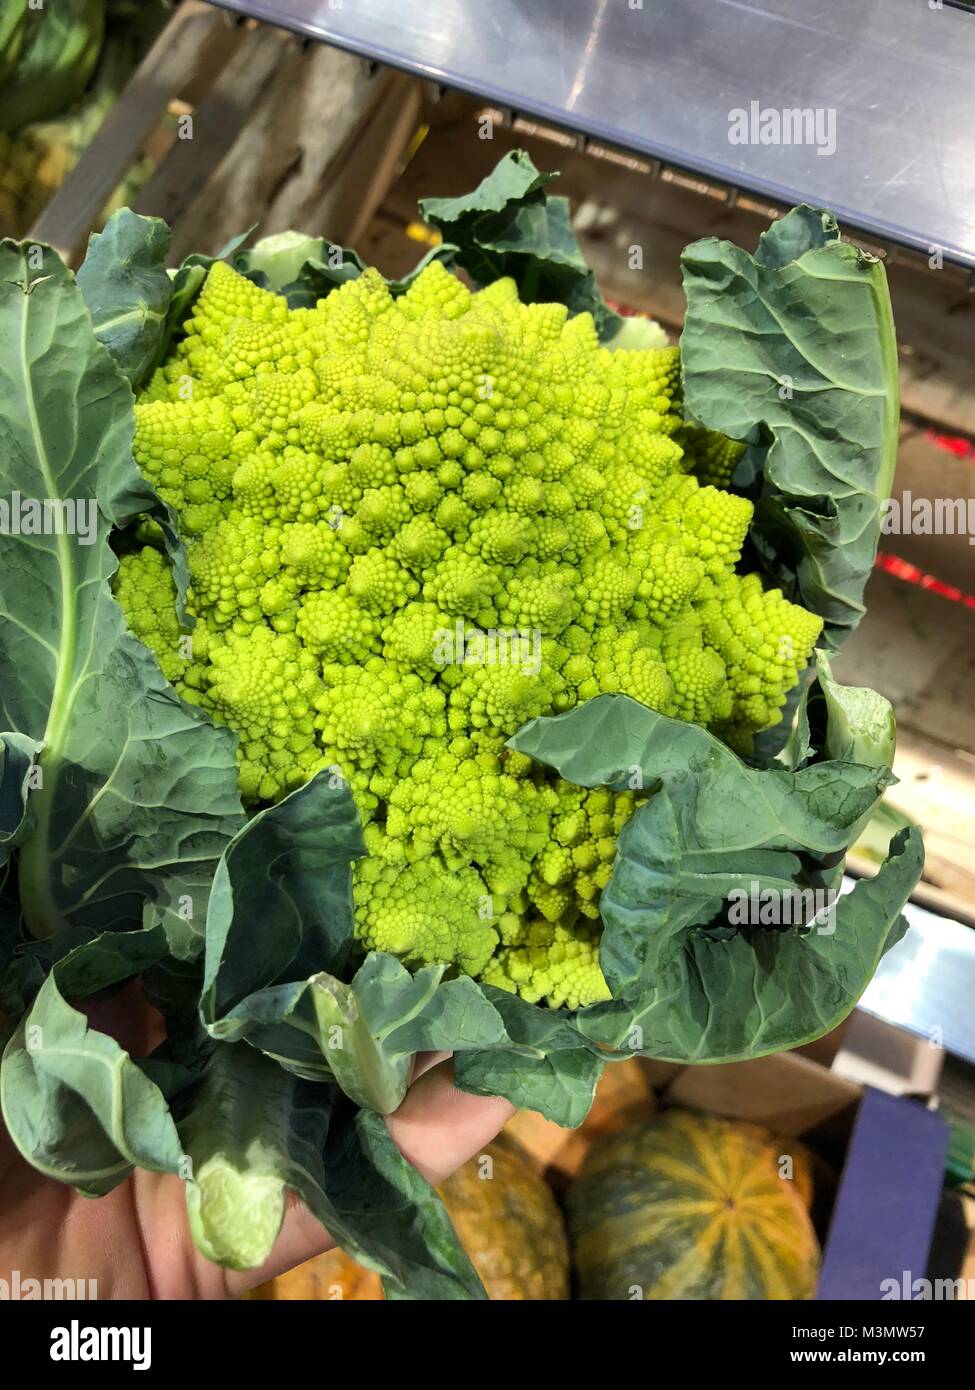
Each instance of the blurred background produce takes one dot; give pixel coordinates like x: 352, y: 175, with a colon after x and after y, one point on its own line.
x: 662, y: 1203
x: 62, y: 68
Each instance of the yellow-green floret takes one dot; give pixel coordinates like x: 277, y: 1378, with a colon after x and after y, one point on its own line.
x: 413, y: 525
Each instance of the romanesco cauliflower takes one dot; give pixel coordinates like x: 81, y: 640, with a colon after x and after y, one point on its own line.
x: 415, y: 524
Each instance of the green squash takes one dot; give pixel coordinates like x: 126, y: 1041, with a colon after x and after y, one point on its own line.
x: 687, y: 1206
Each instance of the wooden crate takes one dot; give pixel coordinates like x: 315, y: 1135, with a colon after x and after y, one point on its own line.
x: 263, y: 131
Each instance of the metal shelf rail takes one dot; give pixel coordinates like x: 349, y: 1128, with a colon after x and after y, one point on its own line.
x: 889, y: 82
x: 926, y: 983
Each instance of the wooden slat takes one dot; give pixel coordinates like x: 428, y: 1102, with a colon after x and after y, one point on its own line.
x: 286, y: 153
x: 183, y: 174
x: 371, y: 160
x: 198, y: 38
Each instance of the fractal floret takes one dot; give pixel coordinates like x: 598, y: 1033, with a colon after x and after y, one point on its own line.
x: 414, y: 524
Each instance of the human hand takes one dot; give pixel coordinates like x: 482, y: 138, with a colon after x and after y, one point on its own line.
x: 136, y: 1243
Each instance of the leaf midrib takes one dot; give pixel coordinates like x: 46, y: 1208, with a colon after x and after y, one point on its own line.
x: 60, y: 707
x: 60, y: 704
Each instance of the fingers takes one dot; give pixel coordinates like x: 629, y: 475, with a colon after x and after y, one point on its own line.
x: 437, y: 1128
x: 423, y: 1061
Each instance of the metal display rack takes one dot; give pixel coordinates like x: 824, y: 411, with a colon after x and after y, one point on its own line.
x: 661, y: 78
x: 926, y: 983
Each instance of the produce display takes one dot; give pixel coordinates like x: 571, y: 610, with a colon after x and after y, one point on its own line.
x: 689, y: 1206
x: 62, y: 67
x: 424, y: 665
x: 506, y: 1219
x: 667, y: 1205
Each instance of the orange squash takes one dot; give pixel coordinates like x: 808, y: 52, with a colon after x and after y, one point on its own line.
x: 334, y: 1275
x: 507, y: 1220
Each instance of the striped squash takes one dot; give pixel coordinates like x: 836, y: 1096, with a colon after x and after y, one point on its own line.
x: 687, y: 1206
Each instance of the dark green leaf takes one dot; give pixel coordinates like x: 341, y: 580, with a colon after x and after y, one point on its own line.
x: 384, y: 1213
x: 545, y: 1064
x: 19, y: 979
x: 76, y: 1105
x: 107, y: 959
x: 18, y: 757
x: 514, y: 179
x: 453, y: 1016
x: 282, y: 1021
x: 803, y: 229
x: 715, y: 827
x: 174, y: 987
x: 138, y: 795
x: 281, y: 904
x: 795, y: 348
x: 125, y: 284
x: 760, y: 991
x: 509, y: 226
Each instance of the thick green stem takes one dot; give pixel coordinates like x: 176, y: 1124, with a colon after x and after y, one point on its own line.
x: 364, y: 1072
x: 235, y: 1192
